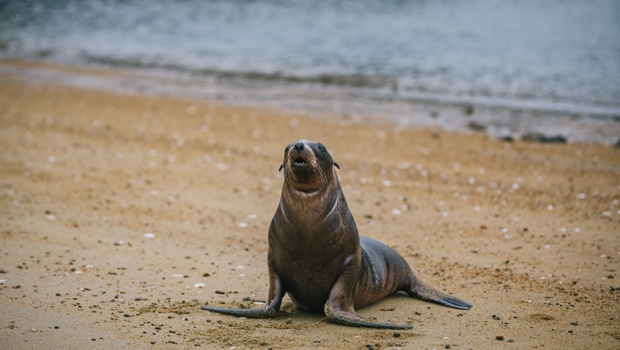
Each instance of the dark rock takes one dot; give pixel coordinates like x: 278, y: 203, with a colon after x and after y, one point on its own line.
x: 476, y: 126
x: 541, y: 138
x: 500, y: 337
x: 396, y: 335
x: 468, y: 110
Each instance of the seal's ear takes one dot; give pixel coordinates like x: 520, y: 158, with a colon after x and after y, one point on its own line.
x: 337, y: 166
x: 282, y: 166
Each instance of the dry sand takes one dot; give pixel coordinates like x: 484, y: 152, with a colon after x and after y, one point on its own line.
x: 528, y: 233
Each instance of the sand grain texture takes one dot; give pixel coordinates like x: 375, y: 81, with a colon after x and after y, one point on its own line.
x: 528, y: 233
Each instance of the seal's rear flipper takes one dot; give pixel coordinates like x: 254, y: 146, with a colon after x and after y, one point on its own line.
x: 447, y: 300
x: 351, y: 319
x: 263, y: 312
x: 421, y: 290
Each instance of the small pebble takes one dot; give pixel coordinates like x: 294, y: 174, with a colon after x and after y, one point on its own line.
x: 396, y: 335
x: 447, y: 346
x: 511, y: 340
x: 574, y: 323
x: 127, y: 315
x: 500, y: 337
x: 149, y: 235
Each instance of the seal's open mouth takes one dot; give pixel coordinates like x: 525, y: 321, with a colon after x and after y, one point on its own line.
x: 299, y: 162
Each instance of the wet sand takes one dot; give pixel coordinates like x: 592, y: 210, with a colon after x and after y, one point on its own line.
x: 528, y: 233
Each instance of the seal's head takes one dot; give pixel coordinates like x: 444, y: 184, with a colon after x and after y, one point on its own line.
x: 308, y: 166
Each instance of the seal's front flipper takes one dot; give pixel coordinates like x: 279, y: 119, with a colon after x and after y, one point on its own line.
x: 262, y: 312
x: 340, y: 304
x: 351, y: 319
x: 421, y: 290
x: 276, y: 293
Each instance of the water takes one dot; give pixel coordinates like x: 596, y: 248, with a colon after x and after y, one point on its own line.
x: 529, y: 56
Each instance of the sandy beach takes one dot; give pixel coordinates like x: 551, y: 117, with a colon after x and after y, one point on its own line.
x: 121, y: 214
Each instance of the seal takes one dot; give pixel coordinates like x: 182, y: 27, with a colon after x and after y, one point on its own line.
x: 317, y: 256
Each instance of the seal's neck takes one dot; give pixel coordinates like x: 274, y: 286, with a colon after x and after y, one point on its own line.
x: 310, y: 205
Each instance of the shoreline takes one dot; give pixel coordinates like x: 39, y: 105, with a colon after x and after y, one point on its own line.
x: 495, y: 117
x: 526, y: 232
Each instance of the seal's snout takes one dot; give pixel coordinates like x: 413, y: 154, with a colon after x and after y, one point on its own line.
x: 299, y: 146
x: 300, y: 156
x: 299, y: 161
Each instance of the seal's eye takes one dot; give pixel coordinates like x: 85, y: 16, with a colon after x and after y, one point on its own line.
x: 322, y: 149
x: 286, y: 149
